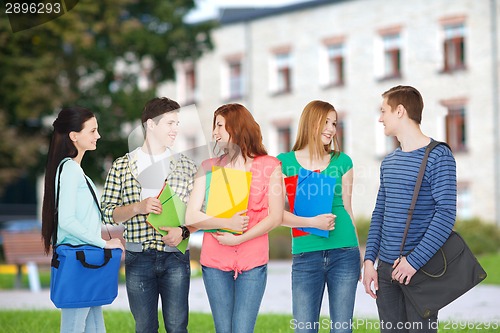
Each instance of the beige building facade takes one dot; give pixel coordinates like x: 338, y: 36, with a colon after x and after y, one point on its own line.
x: 274, y: 61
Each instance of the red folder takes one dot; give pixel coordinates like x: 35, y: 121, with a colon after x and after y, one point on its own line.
x: 290, y: 188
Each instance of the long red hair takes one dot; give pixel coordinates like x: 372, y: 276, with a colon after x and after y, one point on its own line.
x: 243, y: 130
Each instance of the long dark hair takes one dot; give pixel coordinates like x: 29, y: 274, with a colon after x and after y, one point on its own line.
x: 69, y: 119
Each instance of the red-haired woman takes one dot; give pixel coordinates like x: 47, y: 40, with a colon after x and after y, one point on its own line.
x: 235, y: 266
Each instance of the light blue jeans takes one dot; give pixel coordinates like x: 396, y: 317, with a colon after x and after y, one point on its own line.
x: 235, y: 303
x: 339, y: 270
x: 151, y: 274
x: 82, y: 320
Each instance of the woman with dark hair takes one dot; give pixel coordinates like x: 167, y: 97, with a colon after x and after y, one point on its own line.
x: 79, y: 220
x: 332, y: 261
x: 235, y: 266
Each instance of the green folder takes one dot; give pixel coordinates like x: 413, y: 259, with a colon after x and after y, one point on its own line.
x: 172, y: 215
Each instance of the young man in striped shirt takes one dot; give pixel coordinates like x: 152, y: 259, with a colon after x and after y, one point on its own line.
x: 433, y: 218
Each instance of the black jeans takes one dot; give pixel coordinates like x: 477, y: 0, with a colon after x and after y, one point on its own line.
x: 396, y: 313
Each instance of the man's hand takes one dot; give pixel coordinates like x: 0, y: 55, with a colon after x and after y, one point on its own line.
x: 173, y: 236
x: 370, y: 276
x: 402, y: 271
x: 148, y: 205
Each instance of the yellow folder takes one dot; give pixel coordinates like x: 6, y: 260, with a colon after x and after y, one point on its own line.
x: 172, y: 214
x: 228, y: 193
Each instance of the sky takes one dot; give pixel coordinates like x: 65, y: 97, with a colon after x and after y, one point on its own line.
x: 209, y: 8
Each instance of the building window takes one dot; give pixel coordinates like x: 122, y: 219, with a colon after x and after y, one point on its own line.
x: 392, y: 55
x: 341, y: 132
x: 464, y: 201
x: 456, y: 128
x: 190, y: 85
x: 235, y: 79
x: 284, y: 138
x: 454, y: 47
x: 335, y: 64
x: 283, y: 71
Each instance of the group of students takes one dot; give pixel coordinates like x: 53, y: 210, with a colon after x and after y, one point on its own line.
x: 234, y: 266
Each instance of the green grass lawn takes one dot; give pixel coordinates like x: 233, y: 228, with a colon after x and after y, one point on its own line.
x: 121, y: 321
x: 47, y: 321
x: 490, y: 265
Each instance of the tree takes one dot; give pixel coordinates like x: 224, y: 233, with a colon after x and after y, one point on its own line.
x: 73, y: 60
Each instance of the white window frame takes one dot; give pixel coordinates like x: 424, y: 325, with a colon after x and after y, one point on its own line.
x: 279, y: 61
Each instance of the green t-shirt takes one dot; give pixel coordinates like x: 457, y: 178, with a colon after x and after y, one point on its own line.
x: 344, y: 234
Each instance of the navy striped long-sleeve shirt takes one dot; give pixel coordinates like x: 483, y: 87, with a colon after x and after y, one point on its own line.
x: 435, y: 210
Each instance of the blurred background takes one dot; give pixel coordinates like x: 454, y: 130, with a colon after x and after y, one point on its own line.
x: 271, y: 56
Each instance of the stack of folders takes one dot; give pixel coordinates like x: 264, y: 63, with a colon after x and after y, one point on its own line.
x: 227, y: 193
x: 310, y: 193
x: 172, y: 214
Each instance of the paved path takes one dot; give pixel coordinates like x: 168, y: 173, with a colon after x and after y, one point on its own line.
x: 480, y: 304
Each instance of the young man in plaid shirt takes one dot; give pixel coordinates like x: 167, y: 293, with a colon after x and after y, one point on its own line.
x: 154, y: 266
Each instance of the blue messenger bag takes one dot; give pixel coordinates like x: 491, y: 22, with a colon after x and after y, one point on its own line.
x: 83, y: 275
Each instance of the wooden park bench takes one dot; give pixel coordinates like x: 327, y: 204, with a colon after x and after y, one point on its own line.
x: 25, y: 248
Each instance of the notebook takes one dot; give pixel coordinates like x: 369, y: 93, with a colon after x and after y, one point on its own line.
x: 172, y: 215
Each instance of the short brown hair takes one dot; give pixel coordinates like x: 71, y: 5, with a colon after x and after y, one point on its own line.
x: 158, y: 106
x: 408, y: 97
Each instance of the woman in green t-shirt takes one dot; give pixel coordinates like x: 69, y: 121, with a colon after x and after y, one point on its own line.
x: 318, y: 261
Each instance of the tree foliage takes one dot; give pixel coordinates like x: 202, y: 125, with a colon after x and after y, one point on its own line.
x: 74, y: 60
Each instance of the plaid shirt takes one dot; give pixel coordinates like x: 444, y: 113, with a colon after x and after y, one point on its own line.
x: 122, y: 188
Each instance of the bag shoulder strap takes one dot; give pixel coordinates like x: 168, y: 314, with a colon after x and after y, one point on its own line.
x: 96, y: 202
x: 416, y: 190
x: 56, y: 211
x: 56, y: 208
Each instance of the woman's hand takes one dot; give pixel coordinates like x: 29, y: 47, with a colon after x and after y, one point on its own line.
x: 323, y: 221
x: 114, y: 243
x: 238, y: 222
x: 227, y: 238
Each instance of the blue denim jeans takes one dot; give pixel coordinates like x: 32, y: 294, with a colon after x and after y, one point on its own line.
x: 339, y: 270
x: 150, y: 274
x: 82, y: 320
x: 395, y: 312
x: 235, y: 303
